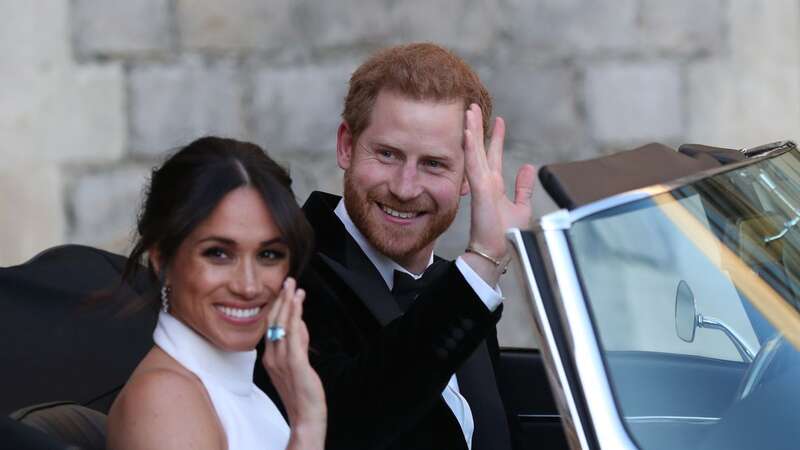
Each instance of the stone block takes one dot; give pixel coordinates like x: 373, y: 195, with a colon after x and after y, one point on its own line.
x: 66, y: 114
x: 682, y: 26
x: 31, y: 211
x: 542, y: 29
x: 764, y: 33
x: 313, y: 171
x: 299, y: 107
x: 753, y: 108
x: 34, y: 34
x: 334, y: 25
x: 122, y: 28
x: 171, y: 105
x: 634, y: 102
x: 752, y: 95
x: 237, y: 24
x: 104, y: 206
x: 93, y: 124
x: 466, y: 26
x: 540, y: 107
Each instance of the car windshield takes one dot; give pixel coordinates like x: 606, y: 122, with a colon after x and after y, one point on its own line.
x: 694, y: 295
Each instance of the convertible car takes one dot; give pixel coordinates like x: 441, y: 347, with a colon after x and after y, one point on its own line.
x: 664, y: 294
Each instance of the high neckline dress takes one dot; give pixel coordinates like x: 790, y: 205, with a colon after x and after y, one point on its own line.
x: 249, y: 418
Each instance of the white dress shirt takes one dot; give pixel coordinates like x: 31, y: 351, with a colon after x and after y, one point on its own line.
x: 489, y: 296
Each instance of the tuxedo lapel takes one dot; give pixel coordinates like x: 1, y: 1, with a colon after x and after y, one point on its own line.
x: 337, y: 249
x: 370, y: 290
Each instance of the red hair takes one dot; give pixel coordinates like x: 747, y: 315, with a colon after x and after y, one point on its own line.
x: 420, y: 71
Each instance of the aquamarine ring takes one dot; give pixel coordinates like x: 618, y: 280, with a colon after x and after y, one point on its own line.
x: 275, y: 333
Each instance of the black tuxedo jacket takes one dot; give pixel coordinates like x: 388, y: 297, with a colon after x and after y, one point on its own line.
x: 384, y: 371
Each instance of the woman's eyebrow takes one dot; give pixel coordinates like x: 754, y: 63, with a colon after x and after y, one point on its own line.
x: 275, y: 240
x: 220, y: 239
x: 232, y: 242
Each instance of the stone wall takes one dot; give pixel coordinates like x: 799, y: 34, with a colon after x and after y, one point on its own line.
x: 94, y: 92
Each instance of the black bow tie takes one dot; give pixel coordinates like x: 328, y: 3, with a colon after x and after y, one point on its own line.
x: 406, y: 289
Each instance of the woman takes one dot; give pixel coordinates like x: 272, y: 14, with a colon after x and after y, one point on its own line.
x: 225, y: 238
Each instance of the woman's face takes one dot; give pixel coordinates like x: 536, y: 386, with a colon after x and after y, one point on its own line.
x: 228, y: 270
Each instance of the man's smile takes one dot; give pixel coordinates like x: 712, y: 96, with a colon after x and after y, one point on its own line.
x: 400, y: 214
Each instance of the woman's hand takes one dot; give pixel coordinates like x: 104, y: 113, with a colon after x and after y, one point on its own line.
x: 286, y: 362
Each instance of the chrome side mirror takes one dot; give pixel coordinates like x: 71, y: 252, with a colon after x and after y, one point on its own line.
x: 688, y: 320
x: 685, y: 312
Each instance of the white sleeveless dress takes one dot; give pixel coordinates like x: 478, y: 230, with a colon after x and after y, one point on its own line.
x: 248, y: 416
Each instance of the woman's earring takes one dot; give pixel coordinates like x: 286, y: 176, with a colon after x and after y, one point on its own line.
x: 165, y: 291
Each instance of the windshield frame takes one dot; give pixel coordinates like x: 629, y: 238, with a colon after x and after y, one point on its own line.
x: 564, y: 219
x: 594, y: 388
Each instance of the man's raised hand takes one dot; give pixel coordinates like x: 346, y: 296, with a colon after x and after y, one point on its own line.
x: 492, y: 212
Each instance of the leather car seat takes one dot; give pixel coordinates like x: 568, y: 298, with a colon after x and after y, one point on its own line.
x: 66, y: 422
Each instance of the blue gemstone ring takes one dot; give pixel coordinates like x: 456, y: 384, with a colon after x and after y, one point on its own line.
x: 275, y: 333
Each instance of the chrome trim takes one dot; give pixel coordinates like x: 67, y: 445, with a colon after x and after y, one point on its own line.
x: 745, y: 352
x: 556, y: 374
x: 672, y: 419
x: 557, y: 219
x: 788, y: 225
x: 613, y: 201
x: 585, y: 351
x: 765, y: 356
x: 768, y: 148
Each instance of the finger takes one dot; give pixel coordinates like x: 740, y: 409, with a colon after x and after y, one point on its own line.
x: 471, y: 162
x: 294, y: 315
x: 523, y: 187
x: 297, y: 342
x: 282, y: 318
x: 494, y: 156
x: 477, y: 122
x: 268, y: 357
x: 276, y: 305
x: 475, y: 125
x: 474, y: 155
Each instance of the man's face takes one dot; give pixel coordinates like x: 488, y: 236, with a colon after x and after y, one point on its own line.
x: 404, y: 175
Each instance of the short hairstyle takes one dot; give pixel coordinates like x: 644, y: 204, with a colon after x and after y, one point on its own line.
x: 187, y: 188
x: 420, y: 71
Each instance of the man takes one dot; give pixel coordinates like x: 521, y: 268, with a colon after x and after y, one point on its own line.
x: 411, y: 143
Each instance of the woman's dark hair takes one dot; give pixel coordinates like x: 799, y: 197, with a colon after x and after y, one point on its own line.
x: 190, y: 184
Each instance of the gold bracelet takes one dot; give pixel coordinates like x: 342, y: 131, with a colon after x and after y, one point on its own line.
x: 495, y: 261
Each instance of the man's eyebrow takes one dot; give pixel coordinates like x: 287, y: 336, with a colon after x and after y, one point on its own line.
x: 231, y: 242
x: 443, y: 155
x: 381, y: 144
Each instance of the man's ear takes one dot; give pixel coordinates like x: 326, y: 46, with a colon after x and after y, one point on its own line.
x: 464, y: 186
x: 344, y: 146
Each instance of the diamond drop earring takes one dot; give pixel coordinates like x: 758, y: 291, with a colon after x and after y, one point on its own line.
x: 165, y: 291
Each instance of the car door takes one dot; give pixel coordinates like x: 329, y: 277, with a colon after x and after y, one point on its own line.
x: 624, y: 269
